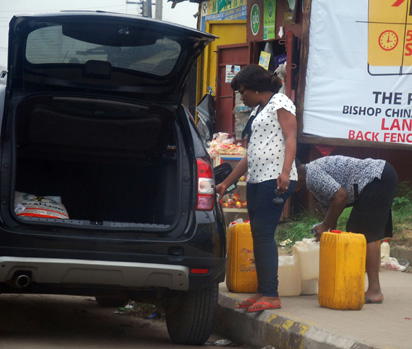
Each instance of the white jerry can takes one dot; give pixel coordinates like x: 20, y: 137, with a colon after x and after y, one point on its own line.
x: 289, y: 277
x: 307, y: 253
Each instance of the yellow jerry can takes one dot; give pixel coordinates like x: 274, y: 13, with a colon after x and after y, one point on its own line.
x: 342, y: 270
x: 240, y: 264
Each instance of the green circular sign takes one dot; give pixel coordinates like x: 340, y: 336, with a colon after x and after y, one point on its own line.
x: 255, y: 19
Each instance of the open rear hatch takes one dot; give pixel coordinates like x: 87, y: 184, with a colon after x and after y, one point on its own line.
x: 92, y: 135
x: 115, y: 55
x: 106, y: 164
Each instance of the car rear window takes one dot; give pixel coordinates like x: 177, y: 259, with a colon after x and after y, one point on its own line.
x: 123, y: 46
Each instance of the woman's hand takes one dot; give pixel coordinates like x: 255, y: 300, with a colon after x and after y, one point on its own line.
x: 220, y: 189
x: 282, y: 183
x: 238, y: 171
x: 319, y: 229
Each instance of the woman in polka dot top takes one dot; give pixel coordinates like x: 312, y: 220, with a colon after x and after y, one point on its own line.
x: 272, y: 176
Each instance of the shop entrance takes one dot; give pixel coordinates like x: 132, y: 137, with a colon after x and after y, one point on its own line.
x: 229, y: 59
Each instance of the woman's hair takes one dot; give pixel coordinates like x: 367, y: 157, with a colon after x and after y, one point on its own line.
x: 256, y: 78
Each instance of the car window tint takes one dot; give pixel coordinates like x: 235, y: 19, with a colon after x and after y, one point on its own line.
x: 49, y: 45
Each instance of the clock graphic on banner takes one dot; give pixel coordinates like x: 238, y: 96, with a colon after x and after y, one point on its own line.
x: 388, y: 40
x: 389, y: 37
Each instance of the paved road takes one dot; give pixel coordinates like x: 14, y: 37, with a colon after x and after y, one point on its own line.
x: 39, y: 321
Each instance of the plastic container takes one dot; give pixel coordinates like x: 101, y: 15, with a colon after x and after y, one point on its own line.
x: 290, y: 283
x: 309, y: 287
x: 307, y: 253
x: 240, y: 264
x: 385, y: 250
x: 342, y: 270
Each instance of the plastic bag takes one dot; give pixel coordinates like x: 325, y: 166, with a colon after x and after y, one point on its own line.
x: 29, y: 205
x: 391, y: 263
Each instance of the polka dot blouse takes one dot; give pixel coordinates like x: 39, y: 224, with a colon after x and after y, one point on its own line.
x: 266, y: 149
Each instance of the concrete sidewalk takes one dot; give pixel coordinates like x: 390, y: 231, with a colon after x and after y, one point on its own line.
x: 302, y: 323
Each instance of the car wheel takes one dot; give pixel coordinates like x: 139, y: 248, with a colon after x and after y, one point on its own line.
x: 190, y: 315
x: 113, y: 301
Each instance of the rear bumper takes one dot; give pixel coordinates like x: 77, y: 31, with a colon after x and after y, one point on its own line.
x: 70, y: 260
x: 97, y: 273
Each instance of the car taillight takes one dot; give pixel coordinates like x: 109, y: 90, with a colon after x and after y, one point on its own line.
x: 205, y: 186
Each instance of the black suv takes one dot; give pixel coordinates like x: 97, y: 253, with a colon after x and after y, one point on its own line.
x: 93, y: 115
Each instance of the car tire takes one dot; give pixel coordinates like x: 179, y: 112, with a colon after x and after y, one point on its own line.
x: 111, y: 301
x: 190, y: 315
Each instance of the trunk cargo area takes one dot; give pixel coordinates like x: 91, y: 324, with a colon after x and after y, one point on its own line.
x: 110, y: 162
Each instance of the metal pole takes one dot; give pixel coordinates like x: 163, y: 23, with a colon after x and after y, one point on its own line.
x: 148, y: 8
x: 159, y: 9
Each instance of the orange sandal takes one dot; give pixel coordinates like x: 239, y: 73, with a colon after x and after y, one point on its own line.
x: 246, y: 303
x: 260, y: 306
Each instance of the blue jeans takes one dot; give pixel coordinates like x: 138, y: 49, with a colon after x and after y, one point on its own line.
x: 264, y: 217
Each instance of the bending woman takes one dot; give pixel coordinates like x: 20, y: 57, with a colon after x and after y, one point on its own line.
x: 272, y: 176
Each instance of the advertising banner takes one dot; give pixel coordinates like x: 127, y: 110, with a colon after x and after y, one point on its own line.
x: 269, y: 19
x: 220, y: 6
x: 264, y: 59
x: 359, y: 71
x: 218, y: 10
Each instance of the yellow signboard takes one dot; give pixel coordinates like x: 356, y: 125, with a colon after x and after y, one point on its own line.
x: 390, y: 36
x: 218, y: 6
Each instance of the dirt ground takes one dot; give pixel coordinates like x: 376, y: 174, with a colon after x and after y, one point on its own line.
x: 403, y: 238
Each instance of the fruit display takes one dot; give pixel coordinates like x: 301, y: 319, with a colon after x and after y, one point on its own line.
x: 233, y: 201
x: 223, y: 144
